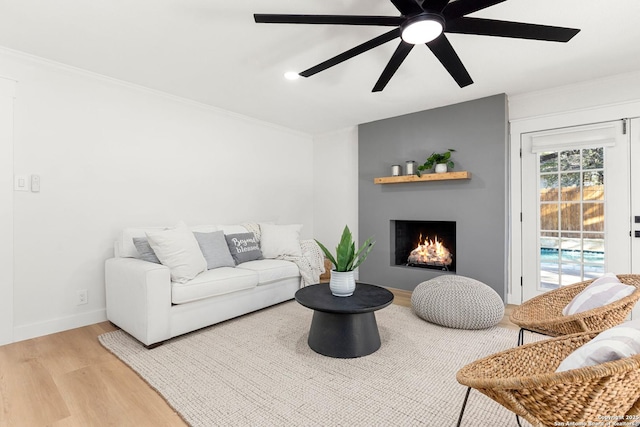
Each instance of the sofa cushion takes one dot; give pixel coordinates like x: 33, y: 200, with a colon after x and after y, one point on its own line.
x: 280, y: 240
x: 232, y: 228
x: 215, y: 250
x: 125, y: 247
x: 178, y: 249
x: 214, y: 282
x: 145, y: 251
x: 243, y: 247
x: 270, y: 270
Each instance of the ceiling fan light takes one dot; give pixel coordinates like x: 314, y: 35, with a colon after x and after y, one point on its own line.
x: 291, y: 75
x: 422, y: 29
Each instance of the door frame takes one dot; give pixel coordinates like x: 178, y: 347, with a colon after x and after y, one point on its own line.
x: 533, y: 124
x: 7, y: 95
x: 634, y: 144
x: 616, y: 199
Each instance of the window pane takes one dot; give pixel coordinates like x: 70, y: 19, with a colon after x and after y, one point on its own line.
x: 593, y: 185
x: 593, y: 242
x: 548, y: 216
x: 549, y: 243
x: 549, y: 275
x: 549, y: 188
x: 570, y: 186
x: 593, y: 257
x: 571, y: 273
x: 571, y: 242
x: 593, y: 216
x: 570, y: 160
x: 549, y: 256
x: 571, y: 255
x: 593, y: 271
x: 570, y: 217
x: 593, y: 158
x: 548, y: 162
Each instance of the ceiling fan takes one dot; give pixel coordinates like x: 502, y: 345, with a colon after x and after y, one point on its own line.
x: 424, y: 21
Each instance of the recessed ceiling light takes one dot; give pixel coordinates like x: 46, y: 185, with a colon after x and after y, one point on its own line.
x: 291, y: 75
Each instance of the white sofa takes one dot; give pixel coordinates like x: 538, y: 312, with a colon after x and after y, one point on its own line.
x: 143, y: 300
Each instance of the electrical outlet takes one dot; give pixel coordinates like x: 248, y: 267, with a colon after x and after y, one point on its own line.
x: 82, y: 297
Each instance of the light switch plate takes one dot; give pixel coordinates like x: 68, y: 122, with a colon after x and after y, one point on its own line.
x: 35, y: 183
x: 20, y: 183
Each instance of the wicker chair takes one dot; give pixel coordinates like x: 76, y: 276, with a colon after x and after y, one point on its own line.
x: 523, y: 380
x: 543, y: 314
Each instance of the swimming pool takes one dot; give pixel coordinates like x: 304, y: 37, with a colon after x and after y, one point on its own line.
x: 548, y: 255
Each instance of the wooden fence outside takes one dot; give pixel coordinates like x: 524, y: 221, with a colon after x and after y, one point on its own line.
x: 567, y: 200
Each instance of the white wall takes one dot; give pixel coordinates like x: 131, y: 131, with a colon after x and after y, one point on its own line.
x: 111, y: 155
x: 582, y: 96
x: 335, y: 190
x: 7, y: 92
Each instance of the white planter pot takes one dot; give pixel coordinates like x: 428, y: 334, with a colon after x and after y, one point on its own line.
x: 342, y: 283
x: 441, y: 168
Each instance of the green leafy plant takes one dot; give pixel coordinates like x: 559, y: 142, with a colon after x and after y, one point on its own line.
x: 347, y: 258
x: 435, y: 159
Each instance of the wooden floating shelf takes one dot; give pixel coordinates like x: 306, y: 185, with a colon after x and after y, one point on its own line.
x: 425, y: 177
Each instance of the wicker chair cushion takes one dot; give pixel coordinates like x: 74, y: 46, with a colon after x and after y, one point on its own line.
x: 523, y: 380
x: 600, y: 292
x: 457, y: 302
x: 543, y: 313
x: 613, y: 344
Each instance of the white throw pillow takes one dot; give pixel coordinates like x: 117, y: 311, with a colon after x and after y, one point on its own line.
x: 178, y: 249
x: 599, y: 293
x: 616, y: 343
x: 232, y: 229
x: 280, y: 240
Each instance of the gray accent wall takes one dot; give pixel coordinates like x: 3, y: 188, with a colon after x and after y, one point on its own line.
x: 477, y: 130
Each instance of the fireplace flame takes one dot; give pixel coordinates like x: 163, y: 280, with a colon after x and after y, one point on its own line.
x: 430, y: 252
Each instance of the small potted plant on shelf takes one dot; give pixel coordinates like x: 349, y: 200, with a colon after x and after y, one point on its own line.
x: 347, y: 259
x: 441, y: 161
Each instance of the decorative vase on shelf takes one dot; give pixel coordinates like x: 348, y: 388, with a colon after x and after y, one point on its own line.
x: 342, y: 283
x: 441, y: 168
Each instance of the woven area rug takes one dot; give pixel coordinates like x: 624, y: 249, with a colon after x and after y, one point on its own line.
x: 257, y: 370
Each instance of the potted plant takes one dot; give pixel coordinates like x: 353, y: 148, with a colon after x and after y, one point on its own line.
x: 347, y: 259
x: 440, y: 160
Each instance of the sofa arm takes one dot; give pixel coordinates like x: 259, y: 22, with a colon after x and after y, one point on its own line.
x: 139, y: 298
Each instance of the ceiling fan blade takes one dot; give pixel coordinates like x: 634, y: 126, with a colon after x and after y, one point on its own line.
x: 267, y: 18
x: 519, y: 30
x: 459, y: 8
x: 407, y: 7
x: 434, y: 5
x: 396, y: 60
x: 448, y: 57
x: 368, y: 45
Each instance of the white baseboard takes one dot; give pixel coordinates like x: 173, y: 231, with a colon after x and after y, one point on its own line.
x: 33, y: 330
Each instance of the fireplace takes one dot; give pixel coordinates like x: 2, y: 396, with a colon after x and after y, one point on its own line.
x: 424, y: 244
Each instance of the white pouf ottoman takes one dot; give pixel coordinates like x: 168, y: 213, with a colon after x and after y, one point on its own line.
x: 457, y: 302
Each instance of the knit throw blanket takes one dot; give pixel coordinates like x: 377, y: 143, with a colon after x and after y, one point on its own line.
x: 310, y: 264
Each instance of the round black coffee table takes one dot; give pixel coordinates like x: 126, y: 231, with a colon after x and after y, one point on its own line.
x: 344, y: 327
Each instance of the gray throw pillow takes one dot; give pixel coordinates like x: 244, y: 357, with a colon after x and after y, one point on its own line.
x: 215, y: 250
x: 145, y: 251
x: 243, y: 247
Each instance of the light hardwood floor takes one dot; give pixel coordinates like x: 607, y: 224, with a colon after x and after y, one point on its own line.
x: 69, y: 379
